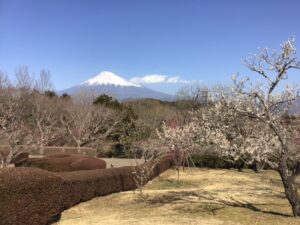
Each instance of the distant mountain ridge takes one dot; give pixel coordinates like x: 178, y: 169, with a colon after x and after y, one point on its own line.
x: 111, y: 84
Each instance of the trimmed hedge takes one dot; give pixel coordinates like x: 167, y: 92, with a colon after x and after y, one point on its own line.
x: 36, y: 196
x: 84, y: 185
x: 65, y: 162
x: 29, y: 196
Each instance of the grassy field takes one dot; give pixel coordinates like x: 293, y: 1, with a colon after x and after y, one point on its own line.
x: 202, y: 196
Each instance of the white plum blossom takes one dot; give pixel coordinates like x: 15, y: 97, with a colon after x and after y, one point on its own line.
x: 251, y: 123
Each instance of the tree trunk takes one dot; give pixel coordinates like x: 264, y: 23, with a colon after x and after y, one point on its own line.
x: 290, y: 187
x: 258, y: 167
x: 42, y: 150
x: 240, y: 166
x: 79, y: 144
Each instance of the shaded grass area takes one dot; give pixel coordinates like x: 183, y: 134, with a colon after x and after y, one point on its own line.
x: 202, y: 196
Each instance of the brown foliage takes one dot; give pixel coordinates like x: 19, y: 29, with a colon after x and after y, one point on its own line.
x: 35, y: 196
x: 65, y: 162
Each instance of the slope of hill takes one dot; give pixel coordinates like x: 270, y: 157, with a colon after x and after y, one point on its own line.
x: 117, y: 87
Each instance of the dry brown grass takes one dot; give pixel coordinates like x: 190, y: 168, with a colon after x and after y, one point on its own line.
x: 202, y: 196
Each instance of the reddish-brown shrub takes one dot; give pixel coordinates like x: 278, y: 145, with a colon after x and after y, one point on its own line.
x: 65, y: 162
x: 35, y: 196
x: 29, y: 196
x: 88, y: 164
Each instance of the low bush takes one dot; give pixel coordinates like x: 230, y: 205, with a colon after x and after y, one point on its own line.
x: 214, y: 160
x: 65, y: 162
x: 36, y: 196
x: 135, y: 152
x: 29, y: 196
x: 119, y: 151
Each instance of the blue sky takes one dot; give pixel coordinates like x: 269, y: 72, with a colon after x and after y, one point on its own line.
x: 192, y: 39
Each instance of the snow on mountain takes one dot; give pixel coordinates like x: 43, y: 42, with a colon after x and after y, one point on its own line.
x: 109, y: 78
x: 117, y: 87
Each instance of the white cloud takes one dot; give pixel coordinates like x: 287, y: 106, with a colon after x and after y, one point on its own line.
x: 157, y: 78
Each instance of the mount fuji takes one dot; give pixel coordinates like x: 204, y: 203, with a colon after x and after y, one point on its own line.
x: 111, y: 84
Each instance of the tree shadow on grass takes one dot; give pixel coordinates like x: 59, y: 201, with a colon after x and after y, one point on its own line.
x: 207, y: 202
x: 247, y: 205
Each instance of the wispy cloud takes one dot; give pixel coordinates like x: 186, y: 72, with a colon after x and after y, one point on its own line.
x: 157, y: 78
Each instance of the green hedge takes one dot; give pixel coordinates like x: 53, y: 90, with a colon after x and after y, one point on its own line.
x: 119, y: 151
x: 214, y: 160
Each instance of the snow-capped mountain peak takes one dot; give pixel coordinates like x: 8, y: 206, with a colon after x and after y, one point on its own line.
x: 111, y: 84
x: 109, y: 78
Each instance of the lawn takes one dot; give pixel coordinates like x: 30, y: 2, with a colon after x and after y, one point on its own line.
x: 202, y: 196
